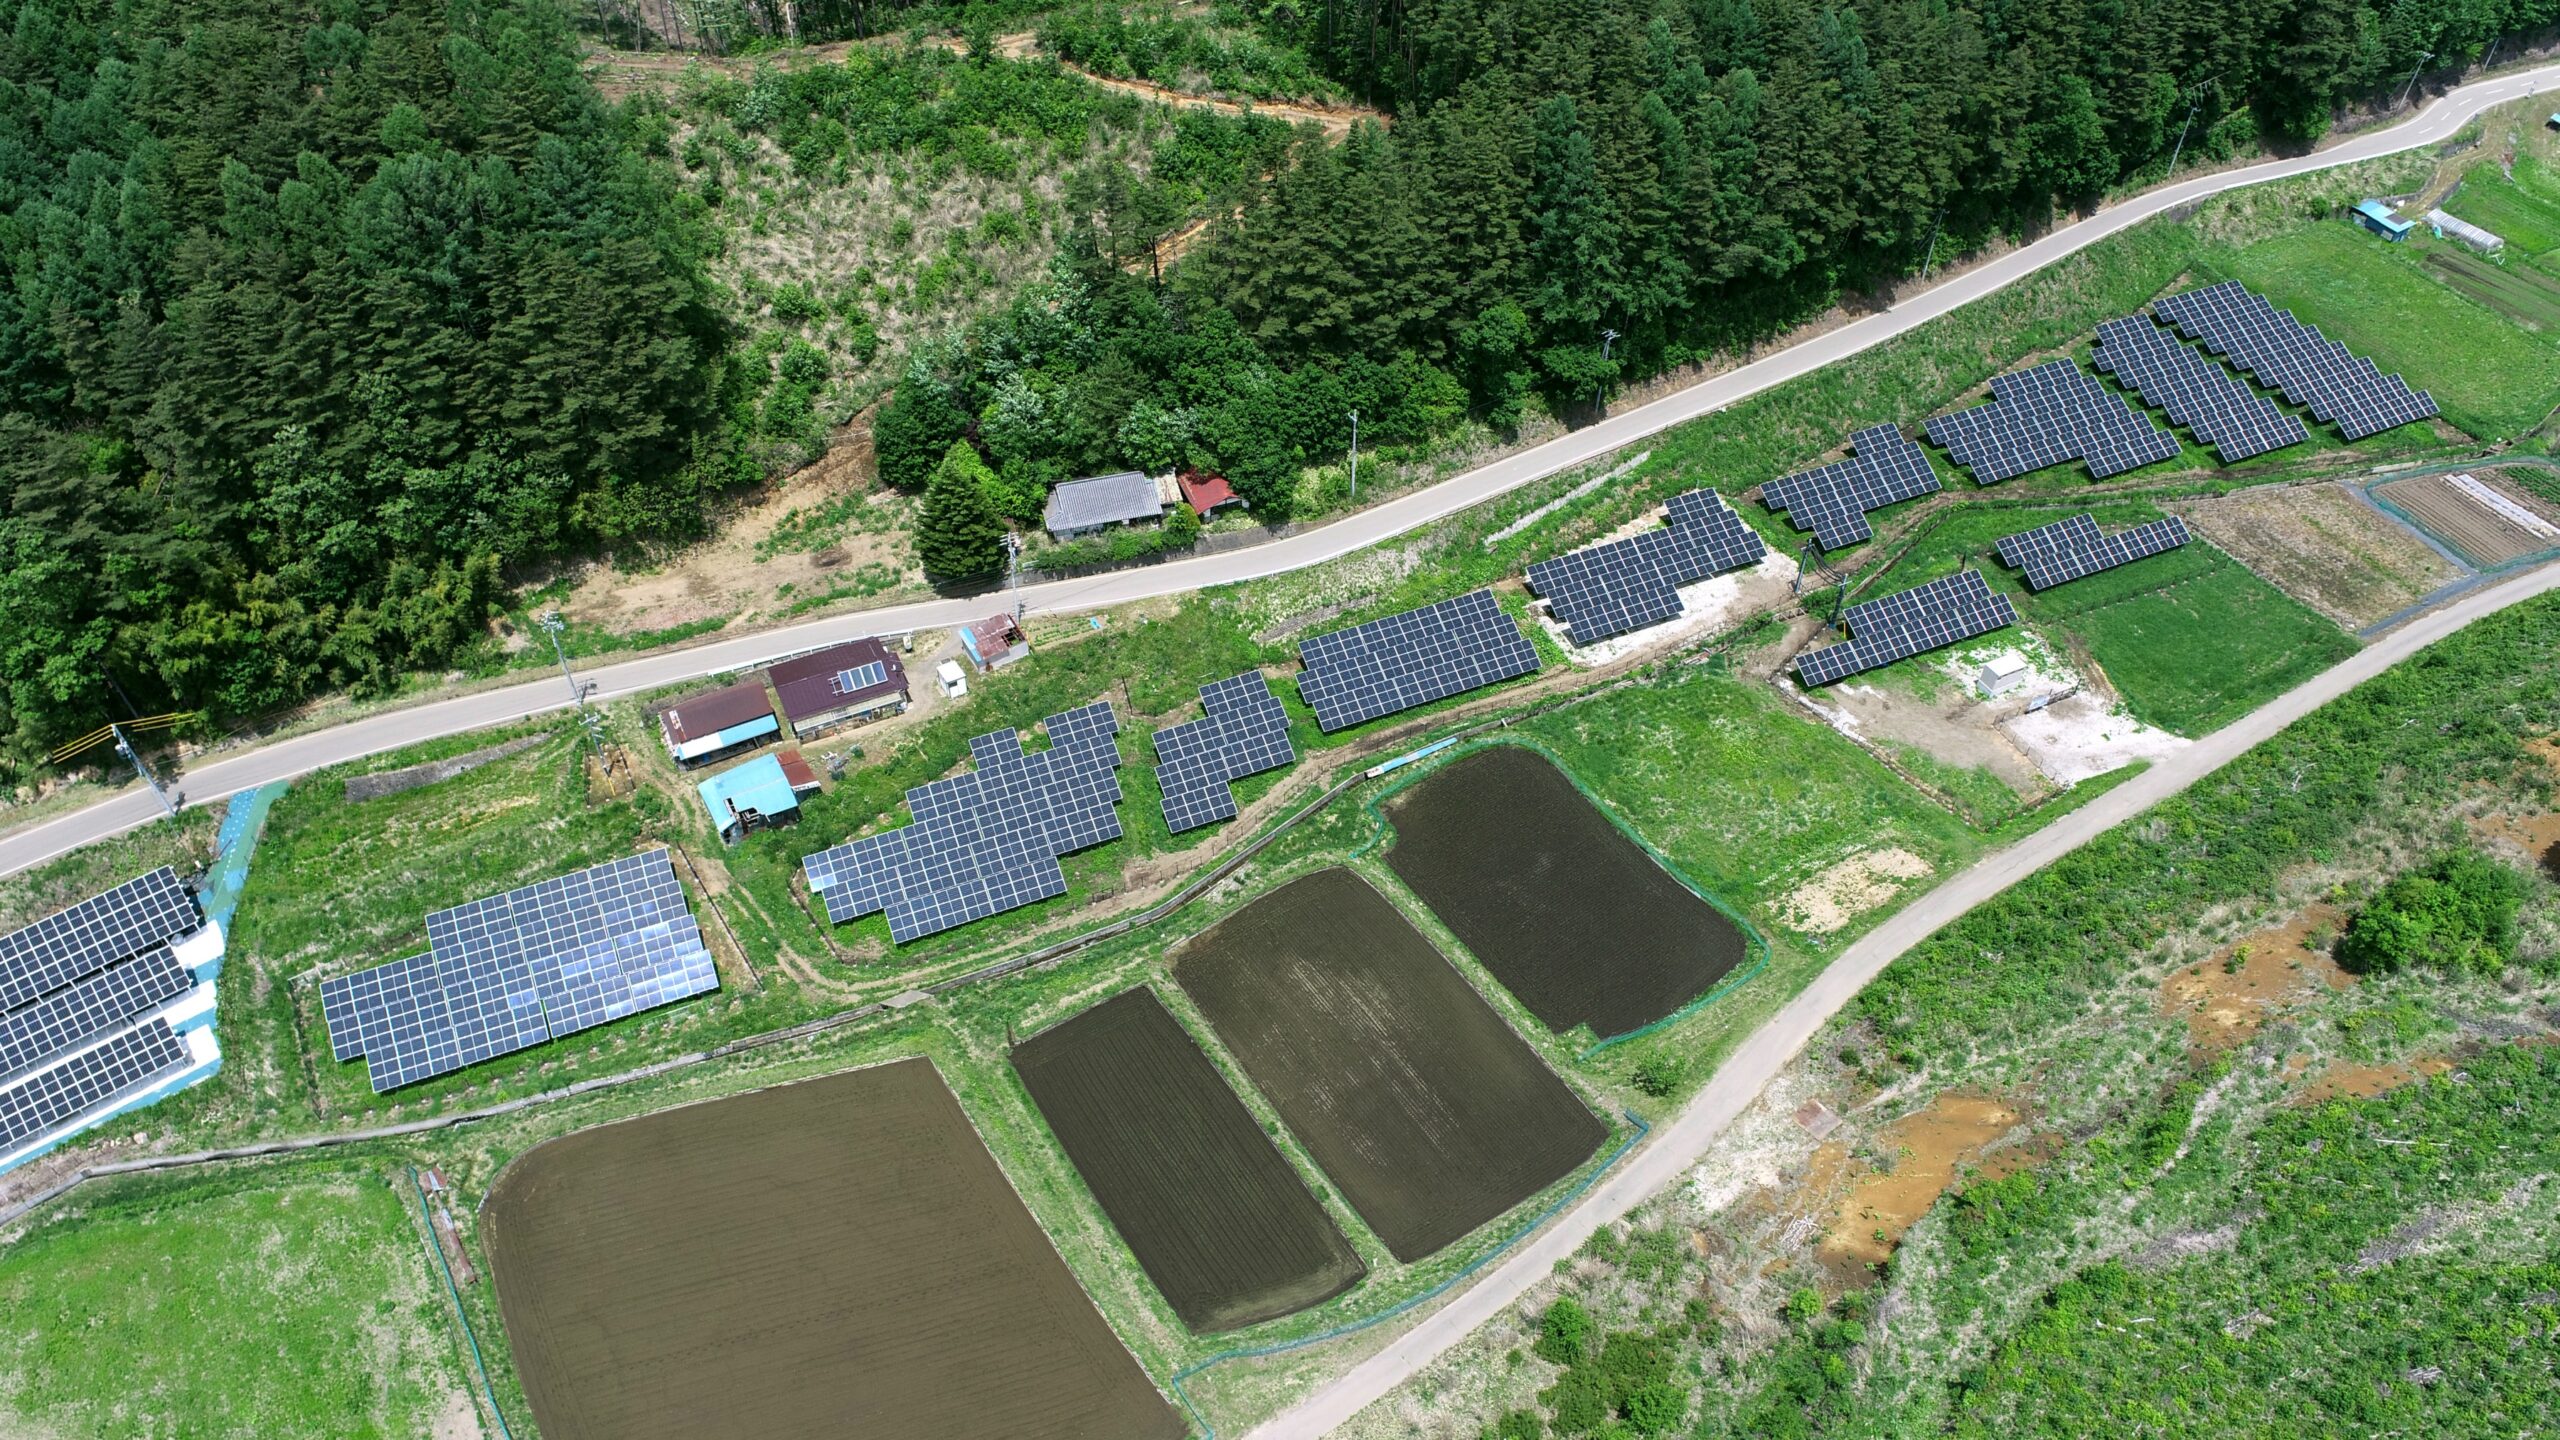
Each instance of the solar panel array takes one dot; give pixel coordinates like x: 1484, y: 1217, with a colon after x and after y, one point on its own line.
x: 2216, y: 408
x: 1622, y: 585
x: 1411, y: 658
x: 2047, y: 414
x: 514, y: 970
x: 984, y: 842
x: 1244, y: 732
x: 1907, y: 623
x: 2061, y: 566
x: 92, y: 1077
x: 34, y: 1033
x: 2294, y: 359
x: 2076, y: 533
x: 1885, y: 466
x: 861, y: 677
x: 97, y: 932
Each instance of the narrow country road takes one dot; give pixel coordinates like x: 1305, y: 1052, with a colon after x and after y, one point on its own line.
x: 1682, y: 1141
x: 283, y: 759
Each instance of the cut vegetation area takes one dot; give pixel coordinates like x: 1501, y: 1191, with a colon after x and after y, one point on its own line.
x: 1409, y: 1090
x: 1567, y: 911
x: 1210, y: 1207
x: 840, y: 1252
x: 2326, y: 546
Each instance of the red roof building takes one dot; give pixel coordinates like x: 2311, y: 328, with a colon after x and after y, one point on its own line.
x: 716, y: 722
x: 857, y: 680
x: 796, y: 772
x: 1204, y: 493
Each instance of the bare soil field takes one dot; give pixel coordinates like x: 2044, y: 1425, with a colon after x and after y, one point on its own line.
x: 835, y: 1257
x: 1400, y: 1080
x: 2227, y: 998
x: 1208, y: 1204
x: 2480, y: 534
x: 1574, y: 918
x: 1867, y: 1208
x: 2325, y: 547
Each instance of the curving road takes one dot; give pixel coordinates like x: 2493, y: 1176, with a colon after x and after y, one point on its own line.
x: 283, y: 759
x: 1683, y: 1141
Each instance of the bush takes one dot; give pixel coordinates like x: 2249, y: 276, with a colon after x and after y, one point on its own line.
x: 1564, y: 1335
x: 1660, y: 1075
x: 2457, y: 914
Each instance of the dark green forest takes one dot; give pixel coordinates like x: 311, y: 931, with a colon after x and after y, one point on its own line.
x: 325, y: 322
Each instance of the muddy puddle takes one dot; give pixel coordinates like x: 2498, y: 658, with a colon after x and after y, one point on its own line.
x: 2226, y: 998
x: 1864, y: 1212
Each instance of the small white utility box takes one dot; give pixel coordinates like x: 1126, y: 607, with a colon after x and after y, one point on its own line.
x: 2002, y: 674
x: 954, y: 683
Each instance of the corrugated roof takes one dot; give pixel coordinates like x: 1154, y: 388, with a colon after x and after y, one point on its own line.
x: 1206, y: 492
x: 807, y: 683
x: 716, y: 710
x: 1102, y: 500
x: 758, y: 785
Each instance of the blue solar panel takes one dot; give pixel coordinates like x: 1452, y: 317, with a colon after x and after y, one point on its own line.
x: 2045, y: 415
x: 88, y: 937
x: 1243, y: 732
x: 92, y: 1077
x: 1622, y: 585
x: 35, y: 1033
x: 1925, y: 617
x: 1885, y: 467
x: 2295, y: 359
x: 1411, y: 658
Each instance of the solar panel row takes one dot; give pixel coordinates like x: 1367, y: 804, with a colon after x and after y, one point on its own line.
x: 1923, y: 618
x: 2043, y: 572
x: 88, y: 937
x: 33, y: 1034
x: 1411, y: 658
x: 1242, y: 732
x: 2075, y: 533
x: 94, y: 1076
x: 1622, y: 585
x: 2296, y: 360
x: 2047, y: 414
x: 1884, y: 466
x: 2215, y: 407
x: 513, y: 970
x: 984, y: 842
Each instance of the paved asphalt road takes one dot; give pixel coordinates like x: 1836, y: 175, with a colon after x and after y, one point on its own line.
x: 299, y: 754
x: 1674, y: 1147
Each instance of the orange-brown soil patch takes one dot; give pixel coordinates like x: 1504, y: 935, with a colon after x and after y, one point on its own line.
x: 2363, y: 1082
x: 2278, y: 970
x: 1867, y: 1211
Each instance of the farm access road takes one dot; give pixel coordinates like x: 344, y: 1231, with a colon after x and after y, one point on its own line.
x: 390, y: 729
x: 1684, y: 1140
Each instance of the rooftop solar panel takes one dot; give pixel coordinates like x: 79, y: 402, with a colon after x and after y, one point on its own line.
x: 35, y: 1033
x: 513, y: 970
x: 92, y: 1077
x: 1411, y: 658
x: 88, y: 937
x: 1926, y: 617
x: 2046, y: 415
x: 984, y: 842
x: 2295, y: 359
x: 1885, y: 467
x: 1622, y: 585
x: 1243, y: 731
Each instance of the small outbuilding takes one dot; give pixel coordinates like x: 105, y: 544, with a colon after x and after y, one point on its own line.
x: 995, y: 642
x: 856, y: 681
x: 755, y: 796
x: 1207, y: 494
x: 1096, y: 503
x: 2376, y: 216
x: 2453, y: 227
x: 2001, y: 674
x: 701, y: 728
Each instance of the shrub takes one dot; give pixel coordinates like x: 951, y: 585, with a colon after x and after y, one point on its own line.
x: 2457, y: 914
x: 1660, y: 1075
x: 1564, y: 1335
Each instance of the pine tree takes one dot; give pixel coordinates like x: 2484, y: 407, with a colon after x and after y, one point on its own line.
x: 959, y: 537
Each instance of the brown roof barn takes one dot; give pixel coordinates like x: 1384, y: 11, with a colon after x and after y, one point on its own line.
x: 827, y: 687
x: 698, y: 725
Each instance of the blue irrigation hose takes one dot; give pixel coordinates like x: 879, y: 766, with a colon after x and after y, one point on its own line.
x: 459, y: 1313
x: 1282, y: 1347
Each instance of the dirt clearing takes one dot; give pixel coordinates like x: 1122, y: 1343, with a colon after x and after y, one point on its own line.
x: 1850, y: 889
x: 839, y: 1256
x: 2324, y: 546
x: 1922, y: 1152
x: 2227, y: 998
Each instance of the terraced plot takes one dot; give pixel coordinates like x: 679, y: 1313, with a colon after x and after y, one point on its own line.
x: 1208, y: 1204
x: 1569, y: 914
x: 836, y: 1257
x: 1400, y: 1080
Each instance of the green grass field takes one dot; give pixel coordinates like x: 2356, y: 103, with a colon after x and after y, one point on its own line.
x: 2523, y: 218
x: 2490, y: 377
x: 269, y: 1303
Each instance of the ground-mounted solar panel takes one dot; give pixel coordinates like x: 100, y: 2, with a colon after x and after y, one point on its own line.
x: 2069, y: 534
x: 90, y: 1078
x: 2058, y: 567
x: 1411, y: 658
x: 1911, y: 622
x: 1242, y: 731
x: 88, y: 937
x: 984, y: 842
x: 1832, y: 501
x: 2193, y: 391
x: 511, y: 971
x: 2046, y: 415
x: 32, y: 1034
x: 1621, y: 585
x: 2294, y: 359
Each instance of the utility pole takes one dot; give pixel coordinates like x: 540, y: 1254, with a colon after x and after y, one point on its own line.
x: 1355, y: 457
x: 1608, y: 338
x: 553, y: 625
x: 125, y: 748
x: 1931, y: 263
x: 2413, y: 79
x: 1013, y: 571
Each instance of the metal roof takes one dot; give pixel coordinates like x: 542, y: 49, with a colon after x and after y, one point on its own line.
x: 758, y: 785
x: 807, y: 683
x: 1102, y: 500
x: 716, y: 710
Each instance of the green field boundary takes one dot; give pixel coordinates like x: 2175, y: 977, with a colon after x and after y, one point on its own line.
x: 1754, y: 944
x: 478, y: 1361
x: 1527, y: 1228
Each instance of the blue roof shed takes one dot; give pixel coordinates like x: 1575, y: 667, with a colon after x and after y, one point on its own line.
x: 752, y: 796
x: 2377, y: 217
